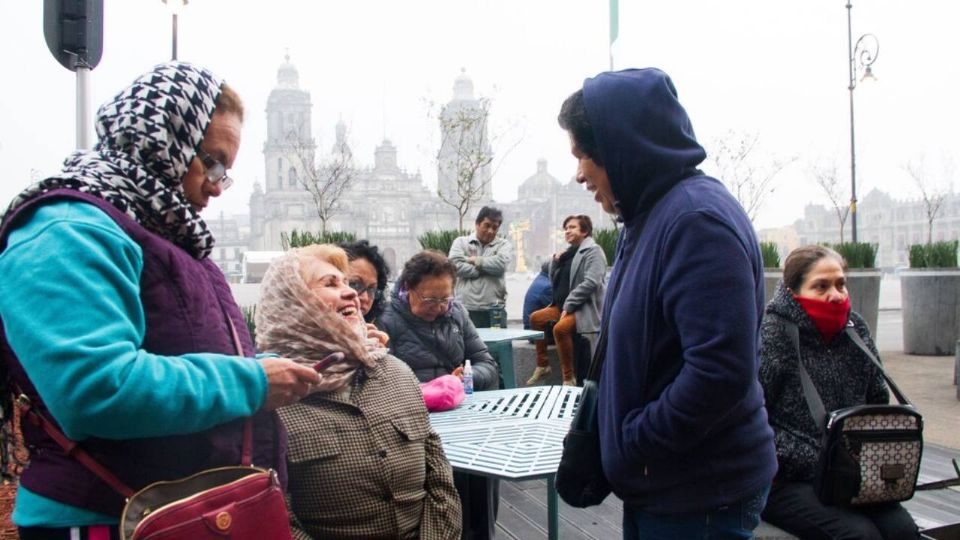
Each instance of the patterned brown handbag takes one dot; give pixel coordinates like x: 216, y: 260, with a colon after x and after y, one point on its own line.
x: 869, y: 453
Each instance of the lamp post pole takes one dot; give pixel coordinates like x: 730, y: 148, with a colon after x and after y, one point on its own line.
x: 859, y: 56
x: 175, y: 6
x: 174, y: 44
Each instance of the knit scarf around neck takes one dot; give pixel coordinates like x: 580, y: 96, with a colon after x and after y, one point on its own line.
x: 830, y: 318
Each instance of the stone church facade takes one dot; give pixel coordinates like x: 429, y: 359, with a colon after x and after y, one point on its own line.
x: 385, y: 204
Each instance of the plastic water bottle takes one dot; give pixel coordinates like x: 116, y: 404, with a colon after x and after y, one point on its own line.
x: 467, y: 378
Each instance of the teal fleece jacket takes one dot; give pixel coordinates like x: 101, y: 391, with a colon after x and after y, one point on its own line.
x: 71, y: 310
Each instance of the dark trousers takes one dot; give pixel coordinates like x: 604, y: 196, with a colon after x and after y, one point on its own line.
x: 480, y: 499
x: 795, y: 508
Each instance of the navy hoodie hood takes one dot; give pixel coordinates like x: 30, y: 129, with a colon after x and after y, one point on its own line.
x: 643, y: 135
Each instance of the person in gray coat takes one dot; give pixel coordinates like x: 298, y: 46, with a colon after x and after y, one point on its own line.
x: 577, y: 277
x: 433, y: 334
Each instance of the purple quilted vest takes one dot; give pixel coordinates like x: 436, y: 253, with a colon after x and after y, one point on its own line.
x: 186, y: 303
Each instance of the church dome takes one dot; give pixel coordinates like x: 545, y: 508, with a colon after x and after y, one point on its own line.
x: 287, y: 74
x: 540, y: 185
x: 463, y: 86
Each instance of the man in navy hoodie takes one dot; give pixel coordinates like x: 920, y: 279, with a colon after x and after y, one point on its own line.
x: 684, y: 435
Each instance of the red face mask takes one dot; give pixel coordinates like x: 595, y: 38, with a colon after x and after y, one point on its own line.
x: 830, y: 318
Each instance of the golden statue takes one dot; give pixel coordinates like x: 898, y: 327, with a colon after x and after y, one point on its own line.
x: 517, y: 228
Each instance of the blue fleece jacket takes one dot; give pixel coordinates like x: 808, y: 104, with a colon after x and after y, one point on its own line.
x: 682, y: 422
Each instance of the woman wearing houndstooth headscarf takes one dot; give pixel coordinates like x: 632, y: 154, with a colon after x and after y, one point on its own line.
x: 117, y: 325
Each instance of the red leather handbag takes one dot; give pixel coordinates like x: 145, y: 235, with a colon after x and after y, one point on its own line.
x: 227, y: 502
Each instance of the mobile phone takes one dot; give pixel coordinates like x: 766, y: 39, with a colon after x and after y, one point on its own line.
x: 327, y: 360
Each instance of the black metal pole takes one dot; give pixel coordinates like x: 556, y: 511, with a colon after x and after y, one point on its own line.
x: 174, y: 37
x: 853, y: 152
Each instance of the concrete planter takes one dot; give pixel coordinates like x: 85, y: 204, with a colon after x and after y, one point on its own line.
x: 930, y: 298
x: 771, y: 278
x: 864, y: 287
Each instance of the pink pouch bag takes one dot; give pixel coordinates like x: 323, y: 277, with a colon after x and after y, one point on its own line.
x: 443, y: 393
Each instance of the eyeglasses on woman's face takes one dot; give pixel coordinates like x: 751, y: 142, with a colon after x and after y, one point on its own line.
x: 433, y: 302
x: 214, y: 171
x: 372, y: 291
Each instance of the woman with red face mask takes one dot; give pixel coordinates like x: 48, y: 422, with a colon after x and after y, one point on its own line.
x: 814, y: 296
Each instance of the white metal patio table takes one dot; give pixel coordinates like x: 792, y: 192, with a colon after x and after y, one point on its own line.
x: 513, y: 434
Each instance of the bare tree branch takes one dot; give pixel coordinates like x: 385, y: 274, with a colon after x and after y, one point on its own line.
x: 466, y: 155
x: 749, y: 177
x: 933, y: 197
x: 825, y: 175
x: 325, y: 179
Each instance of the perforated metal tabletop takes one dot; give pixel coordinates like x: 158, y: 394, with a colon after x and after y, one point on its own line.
x: 515, y: 434
x: 512, y: 434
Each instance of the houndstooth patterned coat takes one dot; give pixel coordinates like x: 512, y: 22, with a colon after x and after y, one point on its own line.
x: 365, y: 463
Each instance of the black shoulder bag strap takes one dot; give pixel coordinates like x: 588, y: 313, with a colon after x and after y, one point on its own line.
x: 810, y: 394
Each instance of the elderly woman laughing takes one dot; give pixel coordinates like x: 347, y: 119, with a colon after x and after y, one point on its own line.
x: 364, y: 462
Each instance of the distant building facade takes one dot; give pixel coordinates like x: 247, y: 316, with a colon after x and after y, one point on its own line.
x: 542, y: 203
x: 232, y: 237
x: 894, y: 225
x: 464, y: 146
x: 386, y: 204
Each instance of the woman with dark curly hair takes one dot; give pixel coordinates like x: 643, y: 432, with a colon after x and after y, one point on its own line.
x: 368, y: 276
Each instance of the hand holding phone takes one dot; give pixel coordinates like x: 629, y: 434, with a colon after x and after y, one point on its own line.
x: 328, y: 360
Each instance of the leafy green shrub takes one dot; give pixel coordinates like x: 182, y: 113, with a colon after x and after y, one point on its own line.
x: 440, y: 240
x: 857, y: 254
x: 771, y: 254
x: 300, y: 239
x: 935, y: 255
x: 249, y: 312
x: 607, y: 240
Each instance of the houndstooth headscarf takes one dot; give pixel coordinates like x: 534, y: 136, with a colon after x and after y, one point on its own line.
x: 293, y: 322
x: 148, y: 135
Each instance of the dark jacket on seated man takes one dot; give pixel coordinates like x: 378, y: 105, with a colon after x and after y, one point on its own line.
x: 436, y: 348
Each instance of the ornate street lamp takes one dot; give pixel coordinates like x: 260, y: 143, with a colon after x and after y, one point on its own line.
x: 176, y: 6
x: 861, y: 56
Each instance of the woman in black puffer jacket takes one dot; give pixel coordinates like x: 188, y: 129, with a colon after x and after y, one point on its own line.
x: 813, y: 295
x: 431, y: 331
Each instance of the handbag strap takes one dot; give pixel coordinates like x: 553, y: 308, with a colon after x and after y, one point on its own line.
x: 810, y: 394
x: 246, y: 452
x: 855, y: 337
x: 74, y: 450
x: 596, y: 362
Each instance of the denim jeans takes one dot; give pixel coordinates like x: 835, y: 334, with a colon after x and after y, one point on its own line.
x: 737, y: 520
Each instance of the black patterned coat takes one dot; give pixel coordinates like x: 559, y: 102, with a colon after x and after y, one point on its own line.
x: 841, y: 372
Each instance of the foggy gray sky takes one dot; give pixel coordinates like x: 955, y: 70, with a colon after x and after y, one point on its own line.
x: 775, y: 68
